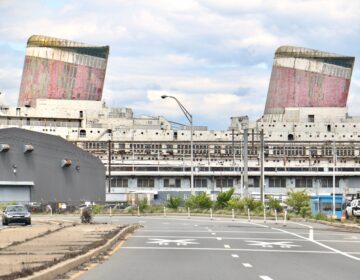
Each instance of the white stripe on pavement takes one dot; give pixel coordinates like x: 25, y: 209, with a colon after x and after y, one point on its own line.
x: 218, y: 238
x: 226, y: 246
x: 264, y: 277
x: 235, y: 256
x: 247, y: 265
x: 321, y: 244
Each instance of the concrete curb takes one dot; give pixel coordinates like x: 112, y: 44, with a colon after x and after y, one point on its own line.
x: 67, y: 265
x: 350, y: 227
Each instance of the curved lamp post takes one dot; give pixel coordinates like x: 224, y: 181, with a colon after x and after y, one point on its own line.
x: 190, y: 119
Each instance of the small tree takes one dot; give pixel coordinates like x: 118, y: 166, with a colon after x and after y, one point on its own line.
x: 174, y: 202
x: 223, y: 198
x: 201, y: 201
x: 300, y: 203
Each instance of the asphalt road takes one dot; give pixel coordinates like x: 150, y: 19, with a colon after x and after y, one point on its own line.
x: 200, y: 248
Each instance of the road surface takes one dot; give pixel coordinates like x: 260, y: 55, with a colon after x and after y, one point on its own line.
x: 200, y: 248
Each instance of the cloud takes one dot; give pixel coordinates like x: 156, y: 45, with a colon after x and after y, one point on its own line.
x: 216, y: 56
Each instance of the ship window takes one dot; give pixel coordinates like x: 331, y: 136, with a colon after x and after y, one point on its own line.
x: 311, y: 118
x: 328, y: 128
x: 290, y: 137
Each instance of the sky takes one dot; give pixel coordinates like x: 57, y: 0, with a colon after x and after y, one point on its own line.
x: 215, y: 56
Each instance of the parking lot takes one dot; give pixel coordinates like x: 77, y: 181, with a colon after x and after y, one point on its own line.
x: 180, y: 248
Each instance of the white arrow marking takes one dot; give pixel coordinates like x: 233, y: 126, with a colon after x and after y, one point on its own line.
x: 178, y: 242
x: 264, y: 244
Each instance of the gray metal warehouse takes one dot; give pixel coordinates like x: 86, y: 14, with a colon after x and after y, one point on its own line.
x: 38, y: 167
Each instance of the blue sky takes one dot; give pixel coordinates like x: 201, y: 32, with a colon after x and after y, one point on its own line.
x: 215, y: 56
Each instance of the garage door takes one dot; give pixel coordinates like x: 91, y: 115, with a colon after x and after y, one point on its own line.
x: 14, y: 193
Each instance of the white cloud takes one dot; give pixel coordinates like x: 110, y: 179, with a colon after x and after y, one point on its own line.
x: 202, y: 51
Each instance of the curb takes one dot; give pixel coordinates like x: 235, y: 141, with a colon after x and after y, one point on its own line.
x: 67, y: 265
x: 349, y: 227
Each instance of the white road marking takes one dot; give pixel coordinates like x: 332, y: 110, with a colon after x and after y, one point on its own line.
x: 352, y: 237
x: 235, y: 256
x: 178, y: 242
x: 264, y: 277
x: 233, y: 238
x: 321, y: 244
x: 232, y: 249
x: 213, y: 233
x: 195, y: 225
x: 247, y: 265
x: 226, y: 246
x: 166, y: 223
x: 311, y: 234
x: 265, y: 244
x: 260, y: 225
x: 218, y: 231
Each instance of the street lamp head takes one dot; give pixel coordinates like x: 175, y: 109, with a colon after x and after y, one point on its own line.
x: 163, y: 96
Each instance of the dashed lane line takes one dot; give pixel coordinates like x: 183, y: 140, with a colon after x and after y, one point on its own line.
x: 247, y: 265
x: 227, y: 246
x: 235, y: 256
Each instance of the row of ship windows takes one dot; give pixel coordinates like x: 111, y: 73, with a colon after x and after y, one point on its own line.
x: 156, y: 149
x: 227, y: 182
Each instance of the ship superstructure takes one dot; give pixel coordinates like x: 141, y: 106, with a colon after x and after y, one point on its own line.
x: 309, y: 139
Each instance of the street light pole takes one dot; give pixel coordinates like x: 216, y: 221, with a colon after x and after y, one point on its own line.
x: 334, y: 179
x: 190, y: 119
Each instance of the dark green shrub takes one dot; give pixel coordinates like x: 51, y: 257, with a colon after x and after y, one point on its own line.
x: 200, y: 201
x: 174, y: 202
x: 223, y: 198
x: 252, y: 204
x: 274, y: 204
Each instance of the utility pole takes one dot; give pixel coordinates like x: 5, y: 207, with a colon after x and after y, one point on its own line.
x: 262, y: 167
x: 109, y: 165
x: 245, y: 160
x: 334, y: 179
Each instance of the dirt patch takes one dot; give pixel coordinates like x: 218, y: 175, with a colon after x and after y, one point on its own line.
x: 43, y: 246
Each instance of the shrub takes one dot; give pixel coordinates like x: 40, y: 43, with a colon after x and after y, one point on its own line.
x: 252, y: 204
x: 200, y: 201
x: 275, y: 204
x: 300, y: 203
x: 97, y: 209
x: 143, y: 204
x: 174, y: 202
x: 223, y: 198
x: 236, y: 203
